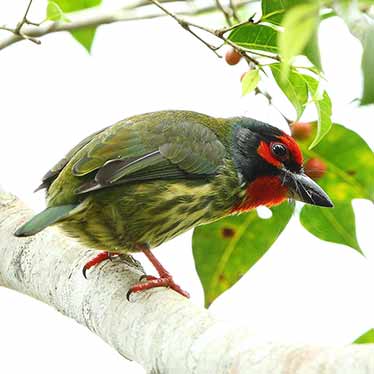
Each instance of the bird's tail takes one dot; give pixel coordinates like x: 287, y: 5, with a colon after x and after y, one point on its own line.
x: 45, y: 218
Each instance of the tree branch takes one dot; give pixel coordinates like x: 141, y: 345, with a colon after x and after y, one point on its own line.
x: 161, y: 330
x: 96, y: 17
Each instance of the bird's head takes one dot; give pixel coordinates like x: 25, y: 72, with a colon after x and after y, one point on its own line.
x: 270, y: 164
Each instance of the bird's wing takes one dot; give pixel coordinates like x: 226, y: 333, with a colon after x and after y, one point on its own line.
x: 53, y: 173
x: 148, y: 148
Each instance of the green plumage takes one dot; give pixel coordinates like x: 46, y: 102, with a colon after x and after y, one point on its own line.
x: 144, y: 180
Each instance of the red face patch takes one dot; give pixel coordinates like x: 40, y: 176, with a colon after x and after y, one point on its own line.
x: 293, y: 148
x: 267, y: 191
x: 264, y: 150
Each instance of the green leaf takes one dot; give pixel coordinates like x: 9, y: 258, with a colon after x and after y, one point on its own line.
x: 299, y: 23
x: 273, y: 10
x: 335, y: 225
x: 84, y: 36
x: 349, y: 175
x: 228, y: 248
x: 368, y: 68
x: 54, y: 12
x: 350, y: 165
x: 257, y: 37
x: 250, y: 81
x: 324, y: 108
x: 73, y: 5
x: 311, y: 50
x: 294, y: 87
x: 366, y: 338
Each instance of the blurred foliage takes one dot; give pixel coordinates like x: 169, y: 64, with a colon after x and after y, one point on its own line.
x: 368, y: 68
x: 250, y: 81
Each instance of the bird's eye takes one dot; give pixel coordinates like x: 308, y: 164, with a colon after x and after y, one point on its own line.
x: 279, y: 151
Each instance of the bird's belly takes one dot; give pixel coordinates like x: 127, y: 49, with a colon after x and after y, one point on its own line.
x: 150, y: 213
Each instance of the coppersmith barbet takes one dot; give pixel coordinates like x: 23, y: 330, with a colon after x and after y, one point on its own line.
x: 148, y: 178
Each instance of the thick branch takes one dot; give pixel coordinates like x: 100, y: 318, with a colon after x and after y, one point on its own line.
x: 161, y: 330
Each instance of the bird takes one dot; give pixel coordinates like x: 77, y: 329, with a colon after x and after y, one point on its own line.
x: 146, y: 179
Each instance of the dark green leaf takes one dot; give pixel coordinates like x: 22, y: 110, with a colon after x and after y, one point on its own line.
x: 323, y: 105
x: 86, y: 35
x: 335, y: 225
x: 299, y: 23
x: 227, y: 249
x: 250, y: 81
x: 274, y: 10
x: 368, y: 68
x: 257, y: 37
x: 294, y: 87
x: 349, y: 175
x: 366, y: 338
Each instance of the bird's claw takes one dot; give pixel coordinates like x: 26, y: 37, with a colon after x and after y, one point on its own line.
x: 147, y: 277
x: 103, y: 256
x: 153, y: 282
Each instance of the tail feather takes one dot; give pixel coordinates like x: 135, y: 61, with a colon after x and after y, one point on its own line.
x: 45, y: 218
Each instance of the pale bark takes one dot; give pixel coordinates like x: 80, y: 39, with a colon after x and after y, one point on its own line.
x: 161, y: 330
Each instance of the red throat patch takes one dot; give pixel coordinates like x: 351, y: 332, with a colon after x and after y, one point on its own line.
x: 266, y: 191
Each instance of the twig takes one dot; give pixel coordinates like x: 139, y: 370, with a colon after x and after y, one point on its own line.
x: 269, y: 98
x: 234, y: 12
x: 24, y: 21
x: 224, y: 11
x: 223, y: 31
x: 219, y: 33
x: 187, y: 26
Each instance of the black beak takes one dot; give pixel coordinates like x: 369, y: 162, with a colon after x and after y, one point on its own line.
x: 304, y: 189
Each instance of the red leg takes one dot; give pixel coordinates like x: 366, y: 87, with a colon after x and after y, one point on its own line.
x: 102, y: 256
x: 165, y: 280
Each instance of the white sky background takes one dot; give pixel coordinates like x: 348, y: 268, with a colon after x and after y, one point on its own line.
x: 53, y: 95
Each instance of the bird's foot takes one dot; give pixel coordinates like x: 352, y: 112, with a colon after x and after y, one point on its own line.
x: 103, y: 256
x: 165, y: 280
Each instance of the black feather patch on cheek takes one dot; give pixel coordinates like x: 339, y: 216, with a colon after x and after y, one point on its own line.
x: 247, y: 160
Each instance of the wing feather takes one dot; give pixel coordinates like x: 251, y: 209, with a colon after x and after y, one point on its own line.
x: 162, y: 145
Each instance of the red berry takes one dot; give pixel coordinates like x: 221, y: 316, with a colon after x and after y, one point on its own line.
x: 315, y: 168
x: 232, y: 56
x: 301, y: 130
